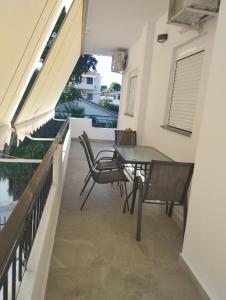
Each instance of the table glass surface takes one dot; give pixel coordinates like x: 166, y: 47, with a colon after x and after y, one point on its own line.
x: 140, y: 154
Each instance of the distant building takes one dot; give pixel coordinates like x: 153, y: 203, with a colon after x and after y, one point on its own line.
x: 90, y: 86
x: 113, y: 97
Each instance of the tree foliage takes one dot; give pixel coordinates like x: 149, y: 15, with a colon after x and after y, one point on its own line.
x: 18, y: 175
x: 70, y: 93
x: 85, y: 63
x: 53, y: 35
x: 109, y: 105
x: 114, y: 87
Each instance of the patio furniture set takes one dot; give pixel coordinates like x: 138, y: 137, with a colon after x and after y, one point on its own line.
x: 156, y: 178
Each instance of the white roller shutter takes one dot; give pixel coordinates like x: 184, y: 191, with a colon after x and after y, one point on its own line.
x: 131, y: 95
x: 185, y: 91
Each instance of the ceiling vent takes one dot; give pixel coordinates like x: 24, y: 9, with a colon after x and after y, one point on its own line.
x: 119, y: 61
x: 192, y: 13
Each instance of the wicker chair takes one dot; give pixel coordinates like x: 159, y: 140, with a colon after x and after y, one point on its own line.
x: 100, y: 163
x: 103, y: 177
x: 167, y: 183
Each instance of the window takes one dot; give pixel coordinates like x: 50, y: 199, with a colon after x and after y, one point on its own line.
x: 89, y: 80
x: 89, y: 96
x: 132, y: 87
x: 185, y: 92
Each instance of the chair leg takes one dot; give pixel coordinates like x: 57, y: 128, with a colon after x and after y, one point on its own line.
x: 86, y: 182
x: 185, y: 215
x: 139, y: 217
x: 87, y: 176
x: 167, y: 208
x: 126, y: 203
x: 170, y: 209
x: 135, y: 188
x: 83, y: 203
x: 120, y: 188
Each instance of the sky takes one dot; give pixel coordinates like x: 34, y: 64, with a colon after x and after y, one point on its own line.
x: 104, y: 68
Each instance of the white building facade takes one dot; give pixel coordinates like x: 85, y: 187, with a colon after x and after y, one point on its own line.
x: 90, y: 86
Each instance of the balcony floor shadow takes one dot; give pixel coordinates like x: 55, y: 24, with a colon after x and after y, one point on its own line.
x: 96, y: 256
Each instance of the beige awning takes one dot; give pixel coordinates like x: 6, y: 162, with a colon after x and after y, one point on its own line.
x: 25, y: 27
x: 40, y: 104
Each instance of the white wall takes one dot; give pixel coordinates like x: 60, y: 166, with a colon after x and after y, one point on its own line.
x: 80, y: 124
x: 180, y: 43
x: 154, y: 62
x: 205, y: 240
x: 139, y: 59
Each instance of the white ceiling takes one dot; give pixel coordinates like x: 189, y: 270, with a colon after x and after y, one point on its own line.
x: 115, y: 24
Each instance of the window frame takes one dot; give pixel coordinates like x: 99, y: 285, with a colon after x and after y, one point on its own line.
x: 175, y: 59
x: 132, y: 74
x: 89, y: 79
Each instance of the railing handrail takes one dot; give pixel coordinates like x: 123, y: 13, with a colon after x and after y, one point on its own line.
x: 10, y: 235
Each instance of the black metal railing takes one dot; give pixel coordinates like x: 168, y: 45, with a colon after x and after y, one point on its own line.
x: 18, y: 234
x: 99, y: 121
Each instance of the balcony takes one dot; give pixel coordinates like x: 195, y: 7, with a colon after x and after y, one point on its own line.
x: 150, y: 267
x: 87, y: 87
x: 100, y: 240
x: 95, y: 254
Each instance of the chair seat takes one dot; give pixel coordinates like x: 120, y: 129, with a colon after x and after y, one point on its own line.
x: 107, y: 165
x: 111, y: 176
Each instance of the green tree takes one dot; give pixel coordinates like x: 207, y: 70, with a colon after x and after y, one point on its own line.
x: 53, y: 34
x: 114, y: 87
x: 70, y: 93
x: 86, y: 62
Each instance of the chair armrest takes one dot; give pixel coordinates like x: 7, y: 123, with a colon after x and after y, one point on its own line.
x: 102, y: 151
x: 104, y: 158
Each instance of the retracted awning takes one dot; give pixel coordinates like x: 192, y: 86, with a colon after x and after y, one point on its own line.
x: 40, y: 104
x: 25, y: 27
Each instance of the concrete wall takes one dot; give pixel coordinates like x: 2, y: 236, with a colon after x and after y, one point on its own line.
x: 80, y: 124
x: 205, y: 241
x: 180, y: 43
x: 154, y: 62
x: 139, y: 59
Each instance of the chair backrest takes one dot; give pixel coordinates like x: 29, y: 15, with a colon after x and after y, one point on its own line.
x: 88, y: 145
x: 125, y: 137
x: 168, y: 181
x: 90, y: 164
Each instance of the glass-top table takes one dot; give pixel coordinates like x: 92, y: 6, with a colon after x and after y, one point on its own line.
x: 139, y: 154
x: 140, y: 157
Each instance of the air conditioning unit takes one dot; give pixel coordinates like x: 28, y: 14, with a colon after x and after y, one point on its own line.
x: 192, y: 13
x: 119, y: 61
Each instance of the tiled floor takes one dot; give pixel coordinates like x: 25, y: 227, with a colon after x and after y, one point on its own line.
x: 95, y: 253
